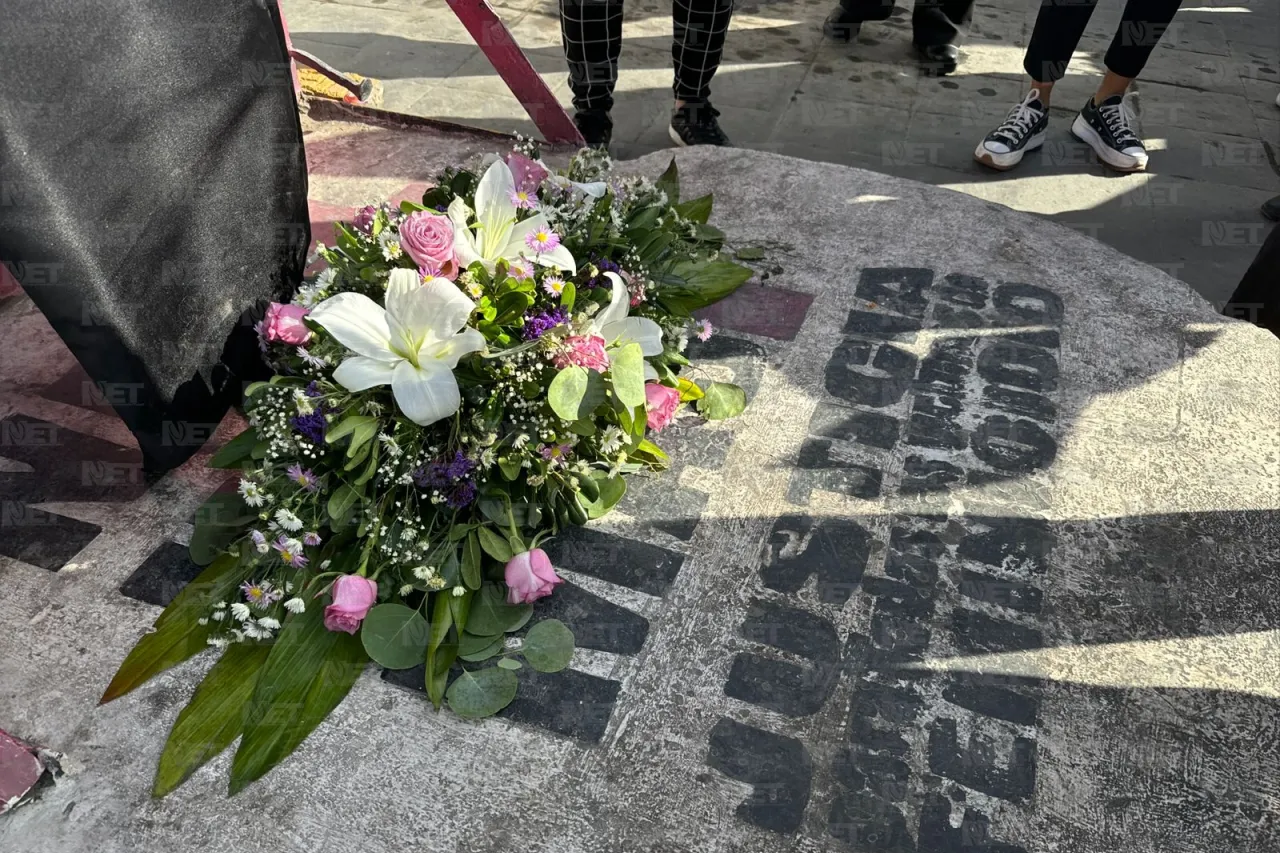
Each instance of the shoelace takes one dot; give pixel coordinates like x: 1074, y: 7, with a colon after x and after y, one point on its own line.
x: 1117, y: 121
x: 1021, y: 119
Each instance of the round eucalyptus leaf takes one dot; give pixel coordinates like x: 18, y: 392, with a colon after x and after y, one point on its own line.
x: 395, y: 636
x: 482, y: 693
x: 548, y: 646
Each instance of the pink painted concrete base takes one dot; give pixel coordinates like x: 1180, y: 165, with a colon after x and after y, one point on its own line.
x: 19, y: 771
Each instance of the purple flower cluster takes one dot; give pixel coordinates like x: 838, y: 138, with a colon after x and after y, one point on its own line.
x: 604, y: 265
x: 313, y: 390
x: 538, y: 323
x: 453, y: 478
x: 311, y: 426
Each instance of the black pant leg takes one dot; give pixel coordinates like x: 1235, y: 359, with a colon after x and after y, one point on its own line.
x: 698, y: 33
x: 939, y: 22
x: 867, y: 10
x: 1257, y: 299
x: 591, y: 32
x: 1143, y: 24
x: 1059, y: 26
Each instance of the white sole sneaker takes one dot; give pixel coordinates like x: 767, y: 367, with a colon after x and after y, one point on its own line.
x: 675, y: 137
x: 1117, y: 160
x: 1005, y: 162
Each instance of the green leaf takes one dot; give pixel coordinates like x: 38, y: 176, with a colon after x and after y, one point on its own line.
x: 213, y: 718
x: 722, y: 400
x: 568, y: 296
x: 697, y: 209
x: 626, y: 369
x: 585, y: 428
x: 347, y: 426
x: 652, y: 451
x: 395, y: 636
x: 341, y: 503
x: 566, y: 392
x: 473, y: 648
x: 609, y: 493
x: 688, y: 390
x: 669, y: 182
x: 749, y: 253
x: 407, y: 206
x: 218, y: 522
x: 253, y: 388
x: 511, y: 306
x: 509, y: 663
x: 705, y: 284
x: 490, y: 613
x: 235, y: 451
x: 309, y: 671
x: 494, y: 545
x: 439, y: 655
x: 177, y: 635
x: 482, y: 693
x: 361, y: 436
x: 548, y: 646
x: 471, y: 561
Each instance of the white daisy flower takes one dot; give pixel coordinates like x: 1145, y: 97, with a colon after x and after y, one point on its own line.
x: 269, y: 623
x: 217, y: 642
x: 611, y: 441
x: 459, y: 591
x: 252, y: 493
x: 288, y: 520
x: 203, y: 620
x: 295, y: 605
x: 219, y: 615
x: 240, y: 611
x: 319, y: 362
x: 520, y: 441
x: 423, y: 573
x: 406, y: 590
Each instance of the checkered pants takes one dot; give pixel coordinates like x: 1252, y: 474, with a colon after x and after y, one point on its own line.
x: 591, y: 31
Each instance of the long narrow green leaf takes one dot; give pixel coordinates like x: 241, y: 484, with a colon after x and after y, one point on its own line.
x: 213, y: 718
x: 440, y: 656
x: 177, y: 635
x: 231, y: 454
x: 309, y: 671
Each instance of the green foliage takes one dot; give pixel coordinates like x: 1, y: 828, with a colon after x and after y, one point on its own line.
x: 722, y: 400
x: 548, y: 646
x: 235, y: 451
x: 218, y: 522
x: 482, y: 693
x: 395, y: 636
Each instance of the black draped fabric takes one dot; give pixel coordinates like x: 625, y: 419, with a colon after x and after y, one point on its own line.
x: 152, y: 195
x: 1257, y: 298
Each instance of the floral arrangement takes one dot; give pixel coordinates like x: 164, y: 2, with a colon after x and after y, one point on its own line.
x: 465, y: 378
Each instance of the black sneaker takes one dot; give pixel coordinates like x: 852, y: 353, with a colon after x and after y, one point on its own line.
x: 841, y: 25
x: 595, y: 126
x: 695, y: 124
x: 1105, y: 128
x: 1023, y: 131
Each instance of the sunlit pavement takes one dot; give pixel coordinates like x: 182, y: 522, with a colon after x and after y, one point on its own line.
x: 1206, y: 106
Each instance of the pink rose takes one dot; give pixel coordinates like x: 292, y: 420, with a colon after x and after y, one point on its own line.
x: 530, y: 576
x: 283, y: 324
x: 583, y: 351
x: 529, y: 174
x: 353, y: 595
x: 428, y: 238
x: 662, y: 404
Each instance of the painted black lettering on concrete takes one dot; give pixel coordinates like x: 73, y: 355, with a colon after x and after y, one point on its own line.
x: 842, y: 424
x: 843, y: 381
x: 913, y: 558
x: 833, y: 549
x: 162, y: 575
x: 960, y: 289
x: 779, y: 685
x: 974, y: 631
x: 984, y: 694
x: 935, y: 422
x: 1020, y: 366
x: 1026, y: 304
x: 626, y: 562
x: 922, y: 475
x: 596, y: 622
x: 937, y: 835
x: 899, y: 289
x: 945, y: 368
x: 881, y: 326
x: 834, y: 473
x: 975, y: 765
x: 1015, y: 447
x: 1013, y: 594
x: 777, y: 767
x: 867, y: 822
x: 1021, y: 403
x: 570, y: 703
x: 1026, y: 542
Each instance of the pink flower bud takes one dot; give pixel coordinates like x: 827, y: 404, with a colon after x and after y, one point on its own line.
x: 353, y: 595
x: 530, y: 576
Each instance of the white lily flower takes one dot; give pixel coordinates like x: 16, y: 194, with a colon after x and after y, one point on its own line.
x: 618, y: 329
x: 413, y: 344
x: 594, y: 189
x: 497, y: 236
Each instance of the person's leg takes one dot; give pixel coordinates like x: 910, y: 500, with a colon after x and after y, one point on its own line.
x: 1103, y: 122
x: 1059, y: 25
x: 698, y: 33
x: 847, y: 18
x: 936, y: 26
x: 591, y: 32
x: 1257, y: 298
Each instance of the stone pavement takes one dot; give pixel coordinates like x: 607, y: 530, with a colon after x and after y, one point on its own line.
x: 1206, y: 105
x: 987, y: 566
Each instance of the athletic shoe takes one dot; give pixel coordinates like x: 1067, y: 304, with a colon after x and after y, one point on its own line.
x: 937, y: 60
x: 1105, y: 128
x: 595, y: 126
x: 695, y: 124
x: 1023, y: 131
